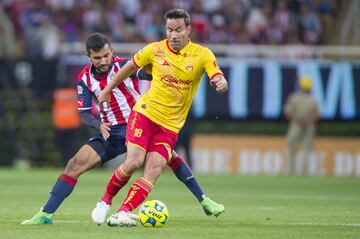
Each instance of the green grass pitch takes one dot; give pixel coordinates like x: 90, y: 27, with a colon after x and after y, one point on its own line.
x: 256, y: 207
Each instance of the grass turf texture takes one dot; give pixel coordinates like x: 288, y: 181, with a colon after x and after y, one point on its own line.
x: 256, y: 207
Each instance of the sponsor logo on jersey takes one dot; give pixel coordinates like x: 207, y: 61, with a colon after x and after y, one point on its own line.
x: 179, y: 84
x: 80, y: 103
x: 80, y: 89
x: 172, y: 80
x: 165, y: 63
x: 189, y: 67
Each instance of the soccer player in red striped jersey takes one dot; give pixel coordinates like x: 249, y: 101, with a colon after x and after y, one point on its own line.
x: 177, y: 67
x: 110, y: 141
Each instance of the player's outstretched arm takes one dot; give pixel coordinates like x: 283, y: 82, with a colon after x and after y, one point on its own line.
x: 119, y: 77
x: 89, y: 119
x: 219, y: 83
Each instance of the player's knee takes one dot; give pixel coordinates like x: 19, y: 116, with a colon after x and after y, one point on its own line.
x: 75, y: 167
x: 135, y: 158
x: 157, y: 169
x: 152, y: 174
x: 132, y: 164
x: 153, y: 169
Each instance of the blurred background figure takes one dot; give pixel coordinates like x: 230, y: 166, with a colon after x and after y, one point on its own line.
x: 7, y: 46
x: 302, y: 111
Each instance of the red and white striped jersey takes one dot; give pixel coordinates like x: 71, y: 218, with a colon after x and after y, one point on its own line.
x: 123, y: 97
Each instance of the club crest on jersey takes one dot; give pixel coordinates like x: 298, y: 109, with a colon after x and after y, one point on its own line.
x: 189, y: 67
x: 80, y: 89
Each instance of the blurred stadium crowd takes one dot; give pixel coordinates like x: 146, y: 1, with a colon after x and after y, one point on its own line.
x: 36, y: 28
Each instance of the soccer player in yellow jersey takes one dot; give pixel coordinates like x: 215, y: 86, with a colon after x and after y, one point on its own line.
x: 177, y: 66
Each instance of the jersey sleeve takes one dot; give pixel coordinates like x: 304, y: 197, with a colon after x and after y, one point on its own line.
x: 143, y: 75
x: 84, y: 96
x: 121, y: 62
x: 144, y: 56
x: 212, y: 68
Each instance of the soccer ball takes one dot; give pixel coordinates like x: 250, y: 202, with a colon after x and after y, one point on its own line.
x: 153, y: 213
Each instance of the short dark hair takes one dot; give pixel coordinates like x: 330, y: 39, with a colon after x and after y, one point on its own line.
x: 96, y: 41
x: 178, y: 13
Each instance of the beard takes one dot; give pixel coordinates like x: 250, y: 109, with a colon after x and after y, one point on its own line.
x: 103, y: 68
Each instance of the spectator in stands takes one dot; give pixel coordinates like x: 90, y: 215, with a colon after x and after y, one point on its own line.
x: 138, y: 20
x: 274, y: 34
x: 34, y: 20
x: 257, y: 22
x: 7, y: 41
x: 200, y: 22
x: 50, y: 39
x: 310, y: 25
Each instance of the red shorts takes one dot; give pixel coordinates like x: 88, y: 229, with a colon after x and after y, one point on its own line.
x: 150, y: 136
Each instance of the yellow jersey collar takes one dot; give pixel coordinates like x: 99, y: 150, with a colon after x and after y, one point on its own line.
x: 177, y: 52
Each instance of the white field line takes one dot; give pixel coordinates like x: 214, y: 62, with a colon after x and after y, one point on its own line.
x: 316, y: 224
x: 269, y: 208
x: 63, y: 221
x: 299, y: 197
x: 70, y: 221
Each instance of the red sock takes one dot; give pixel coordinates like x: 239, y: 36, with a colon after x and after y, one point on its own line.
x: 117, y: 181
x: 136, y: 195
x: 176, y: 162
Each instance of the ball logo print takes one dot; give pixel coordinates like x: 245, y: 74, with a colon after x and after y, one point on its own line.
x: 153, y: 213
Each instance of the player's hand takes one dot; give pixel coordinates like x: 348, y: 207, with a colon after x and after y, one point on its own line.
x: 219, y: 84
x: 104, y: 98
x: 105, y: 130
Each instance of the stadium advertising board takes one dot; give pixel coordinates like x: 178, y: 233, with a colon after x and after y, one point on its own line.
x: 258, y: 155
x: 258, y: 89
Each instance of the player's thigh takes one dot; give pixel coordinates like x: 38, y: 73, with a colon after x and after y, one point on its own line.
x: 86, y: 158
x: 139, y: 130
x: 134, y: 158
x: 116, y: 147
x: 163, y: 142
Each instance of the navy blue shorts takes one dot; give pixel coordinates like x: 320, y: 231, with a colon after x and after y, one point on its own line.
x: 113, y: 146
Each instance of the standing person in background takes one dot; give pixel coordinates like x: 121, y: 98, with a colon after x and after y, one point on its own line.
x: 156, y: 119
x: 302, y: 110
